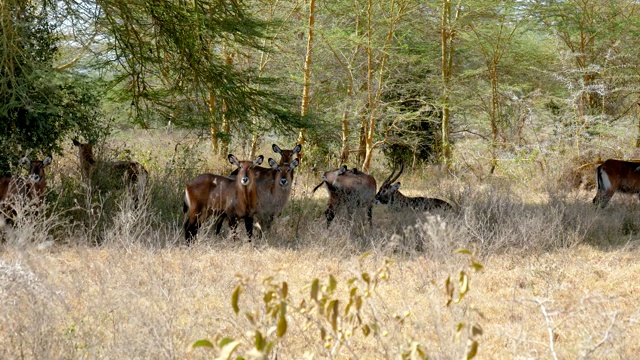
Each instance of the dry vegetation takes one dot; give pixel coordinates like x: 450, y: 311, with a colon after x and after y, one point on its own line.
x: 89, y: 276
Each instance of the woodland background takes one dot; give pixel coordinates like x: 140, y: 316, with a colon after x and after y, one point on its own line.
x: 503, y: 108
x: 524, y: 79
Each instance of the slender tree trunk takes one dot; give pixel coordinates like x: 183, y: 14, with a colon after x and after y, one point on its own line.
x: 447, y: 68
x: 638, y: 115
x: 396, y: 13
x: 344, y: 153
x: 304, y: 108
x: 213, y: 127
x: 494, y: 116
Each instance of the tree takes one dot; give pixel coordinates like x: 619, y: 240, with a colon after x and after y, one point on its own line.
x: 39, y: 105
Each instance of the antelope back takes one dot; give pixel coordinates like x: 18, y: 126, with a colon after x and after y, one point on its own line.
x: 622, y: 176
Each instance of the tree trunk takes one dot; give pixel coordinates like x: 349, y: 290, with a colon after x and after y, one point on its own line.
x: 638, y: 115
x: 213, y: 127
x: 447, y: 68
x: 304, y: 108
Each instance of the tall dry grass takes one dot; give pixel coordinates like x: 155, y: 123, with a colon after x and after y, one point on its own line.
x: 89, y: 275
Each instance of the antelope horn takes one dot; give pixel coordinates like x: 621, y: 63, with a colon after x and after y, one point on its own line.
x: 386, y: 182
x: 398, y: 175
x: 317, y: 187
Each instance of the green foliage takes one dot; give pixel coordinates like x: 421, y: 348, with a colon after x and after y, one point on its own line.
x: 333, y: 314
x: 39, y: 106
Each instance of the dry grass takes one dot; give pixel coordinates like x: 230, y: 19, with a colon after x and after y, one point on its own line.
x: 558, y: 278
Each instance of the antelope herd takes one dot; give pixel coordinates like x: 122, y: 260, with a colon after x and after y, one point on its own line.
x: 259, y: 194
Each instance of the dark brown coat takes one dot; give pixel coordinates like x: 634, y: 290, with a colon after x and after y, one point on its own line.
x: 223, y: 197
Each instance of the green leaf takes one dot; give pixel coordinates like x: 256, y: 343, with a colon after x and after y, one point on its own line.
x: 464, y: 286
x: 462, y: 251
x: 202, y: 343
x: 473, y: 350
x: 228, y: 349
x: 225, y: 341
x: 285, y: 289
x: 333, y: 283
x: 366, y: 277
x: 448, y: 288
x: 366, y: 330
x: 234, y: 299
x: 315, y: 286
x: 477, y: 266
x: 282, y: 320
x: 334, y: 314
x: 259, y: 341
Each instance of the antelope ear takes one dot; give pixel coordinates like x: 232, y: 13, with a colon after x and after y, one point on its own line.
x: 273, y: 163
x: 276, y: 149
x: 233, y: 160
x: 47, y: 160
x: 258, y: 160
x: 24, y: 161
x: 396, y: 186
x: 297, y: 149
x: 342, y: 170
x: 294, y: 163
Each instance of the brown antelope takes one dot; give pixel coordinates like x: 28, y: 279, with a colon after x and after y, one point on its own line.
x: 274, y: 190
x: 286, y: 158
x: 222, y: 196
x: 390, y: 195
x: 350, y: 190
x: 134, y: 175
x: 616, y: 176
x: 32, y: 187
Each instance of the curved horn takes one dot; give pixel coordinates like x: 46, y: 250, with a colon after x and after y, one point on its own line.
x: 317, y: 187
x: 398, y: 175
x: 386, y: 181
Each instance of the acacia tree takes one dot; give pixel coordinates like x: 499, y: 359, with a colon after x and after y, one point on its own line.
x: 39, y: 104
x: 593, y: 34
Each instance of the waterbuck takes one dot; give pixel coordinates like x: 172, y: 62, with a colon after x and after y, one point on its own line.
x: 32, y: 188
x: 616, y: 176
x: 234, y: 198
x: 274, y: 191
x: 286, y: 158
x: 130, y: 174
x: 349, y: 190
x: 390, y: 195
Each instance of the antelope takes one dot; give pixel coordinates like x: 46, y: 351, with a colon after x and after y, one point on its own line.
x: 222, y: 196
x: 616, y: 176
x: 348, y: 189
x: 286, y: 158
x: 32, y: 187
x: 390, y: 195
x: 274, y: 190
x: 134, y: 175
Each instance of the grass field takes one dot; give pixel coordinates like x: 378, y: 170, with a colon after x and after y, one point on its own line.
x: 546, y: 274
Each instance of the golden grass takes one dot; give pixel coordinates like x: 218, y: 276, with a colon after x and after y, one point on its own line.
x: 559, y: 278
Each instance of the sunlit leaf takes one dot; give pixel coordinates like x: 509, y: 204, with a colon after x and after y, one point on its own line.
x: 448, y: 287
x: 282, y: 320
x: 315, y: 287
x: 473, y: 350
x: 462, y: 251
x: 202, y: 343
x: 228, y: 349
x: 259, y: 341
x: 334, y: 314
x: 333, y: 283
x: 234, y: 299
x: 285, y: 289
